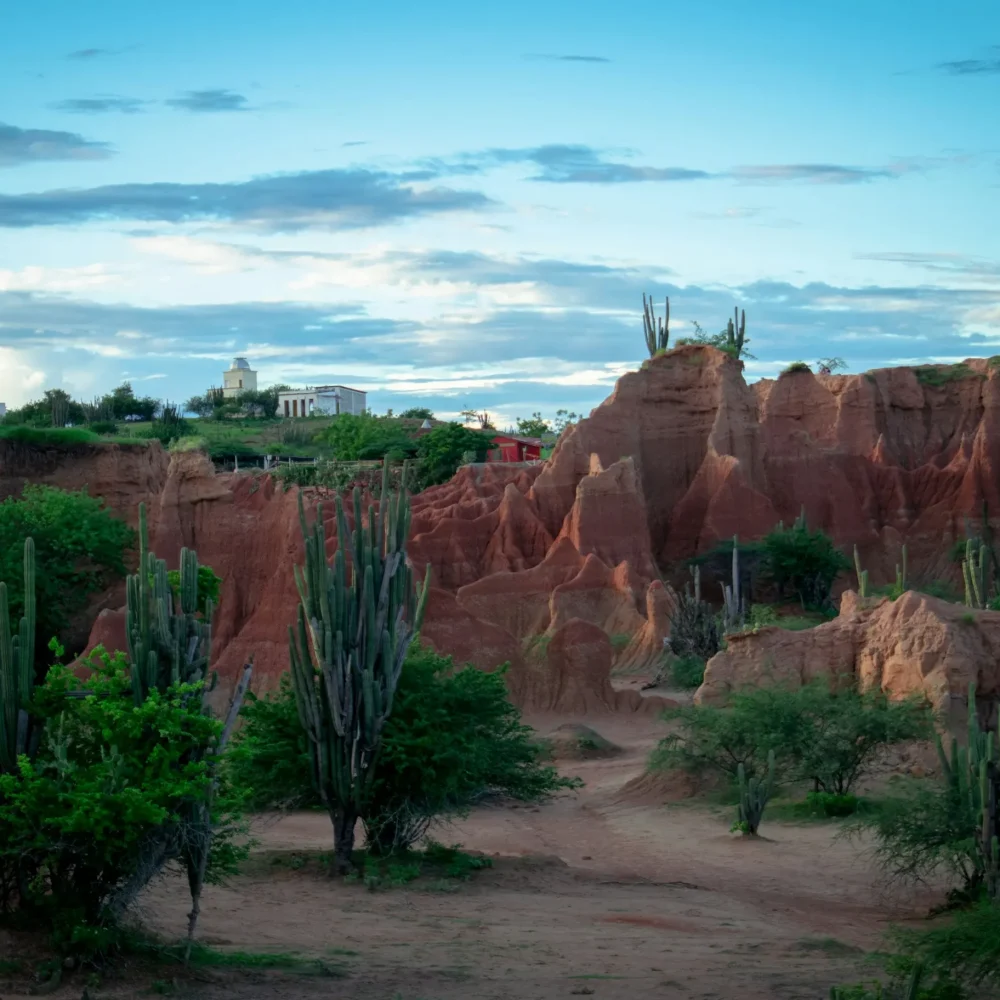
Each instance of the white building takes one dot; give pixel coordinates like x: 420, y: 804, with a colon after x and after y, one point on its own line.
x: 239, y: 378
x: 329, y: 400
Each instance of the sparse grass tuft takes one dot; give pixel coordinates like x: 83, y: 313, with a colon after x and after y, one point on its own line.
x: 936, y: 376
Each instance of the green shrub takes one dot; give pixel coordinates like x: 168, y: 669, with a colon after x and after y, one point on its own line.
x: 939, y: 375
x: 441, y: 451
x: 831, y: 805
x: 805, y: 562
x: 688, y: 672
x: 47, y: 437
x: 829, y: 735
x: 365, y: 437
x: 796, y: 366
x: 86, y: 819
x: 103, y: 427
x: 209, y: 585
x: 695, y: 631
x: 453, y: 739
x: 79, y: 550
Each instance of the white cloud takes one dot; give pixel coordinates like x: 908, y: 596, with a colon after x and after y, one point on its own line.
x: 19, y: 380
x: 46, y: 279
x: 206, y: 256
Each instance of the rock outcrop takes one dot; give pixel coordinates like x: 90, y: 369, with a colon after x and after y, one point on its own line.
x: 913, y: 645
x: 681, y: 455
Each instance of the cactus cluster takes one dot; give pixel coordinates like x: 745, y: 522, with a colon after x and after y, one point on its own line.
x: 734, y: 605
x: 755, y: 793
x: 17, y: 670
x: 973, y: 774
x: 657, y: 330
x: 356, y: 619
x: 736, y: 330
x: 975, y: 574
x: 168, y: 641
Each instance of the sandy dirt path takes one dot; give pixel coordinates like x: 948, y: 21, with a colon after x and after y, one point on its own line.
x: 592, y: 894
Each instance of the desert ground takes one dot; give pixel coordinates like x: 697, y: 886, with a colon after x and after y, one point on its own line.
x: 606, y: 892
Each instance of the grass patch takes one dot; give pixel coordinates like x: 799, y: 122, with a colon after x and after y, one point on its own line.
x: 440, y: 863
x: 939, y: 375
x: 48, y: 436
x: 799, y: 623
x: 620, y: 641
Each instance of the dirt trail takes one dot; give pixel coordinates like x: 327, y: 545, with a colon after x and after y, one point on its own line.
x: 590, y: 895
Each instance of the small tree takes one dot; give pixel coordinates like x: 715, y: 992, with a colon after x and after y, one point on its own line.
x: 827, y: 366
x: 80, y: 549
x: 443, y: 449
x: 418, y: 413
x: 534, y: 426
x: 805, y: 562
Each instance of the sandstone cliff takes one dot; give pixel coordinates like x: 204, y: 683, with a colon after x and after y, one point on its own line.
x: 682, y: 454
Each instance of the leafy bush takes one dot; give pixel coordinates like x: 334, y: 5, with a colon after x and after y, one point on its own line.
x: 79, y: 550
x: 805, y: 562
x: 939, y: 375
x: 688, y: 672
x: 418, y: 413
x: 352, y: 437
x: 85, y: 824
x: 831, y: 805
x: 796, y: 366
x: 209, y: 585
x: 829, y: 735
x: 453, y: 738
x: 103, y: 427
x: 441, y: 451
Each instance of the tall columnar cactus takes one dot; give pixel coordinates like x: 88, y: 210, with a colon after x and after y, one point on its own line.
x: 17, y: 669
x: 862, y: 575
x: 734, y: 610
x: 901, y: 574
x: 357, y: 617
x: 755, y: 793
x: 168, y: 642
x: 973, y: 775
x: 657, y: 330
x: 975, y: 572
x: 736, y: 330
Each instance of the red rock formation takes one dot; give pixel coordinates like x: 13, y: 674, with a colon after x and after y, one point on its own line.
x: 575, y: 676
x: 682, y: 454
x: 913, y: 645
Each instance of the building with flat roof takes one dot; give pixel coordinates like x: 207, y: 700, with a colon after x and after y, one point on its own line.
x: 328, y: 400
x: 240, y: 377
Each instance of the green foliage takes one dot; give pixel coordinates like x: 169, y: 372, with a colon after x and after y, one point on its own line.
x: 355, y: 437
x: 831, y: 805
x: 356, y: 620
x: 268, y: 757
x: 417, y: 413
x: 79, y: 550
x: 17, y: 669
x: 960, y: 954
x: 47, y: 437
x: 829, y: 735
x: 84, y: 821
x: 796, y: 366
x: 441, y: 451
x: 688, y: 672
x: 208, y: 587
x: 386, y: 871
x: 803, y: 561
x: 534, y: 426
x: 842, y: 729
x: 936, y: 376
x: 453, y: 739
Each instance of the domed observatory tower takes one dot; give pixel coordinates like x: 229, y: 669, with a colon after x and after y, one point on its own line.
x: 239, y: 378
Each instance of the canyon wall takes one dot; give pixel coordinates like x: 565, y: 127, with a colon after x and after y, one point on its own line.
x: 681, y: 455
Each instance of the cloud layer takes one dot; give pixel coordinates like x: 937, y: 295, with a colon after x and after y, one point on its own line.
x: 19, y: 146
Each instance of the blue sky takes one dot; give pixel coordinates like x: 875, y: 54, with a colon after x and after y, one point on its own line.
x: 460, y: 205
